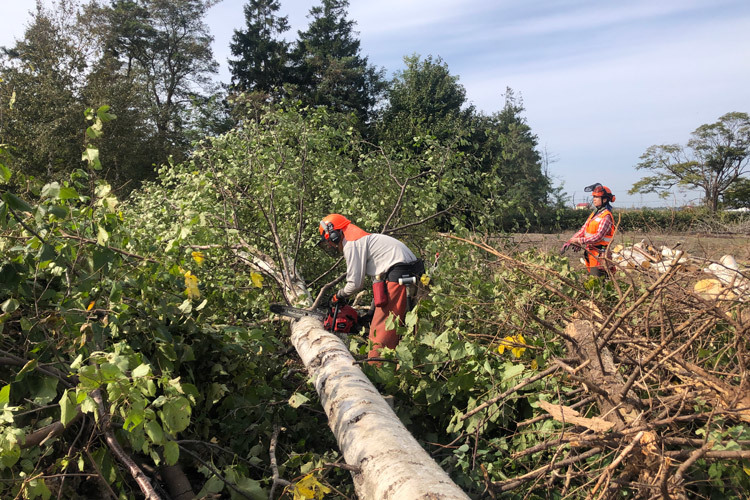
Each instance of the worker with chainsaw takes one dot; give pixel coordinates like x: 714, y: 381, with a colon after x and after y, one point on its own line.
x: 597, y: 232
x: 392, y: 266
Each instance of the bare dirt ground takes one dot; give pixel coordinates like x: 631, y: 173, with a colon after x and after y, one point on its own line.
x: 708, y: 246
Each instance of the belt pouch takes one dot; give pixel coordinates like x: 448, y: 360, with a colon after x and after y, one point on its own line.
x: 379, y: 293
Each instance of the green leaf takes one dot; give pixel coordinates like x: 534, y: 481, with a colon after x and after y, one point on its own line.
x: 171, y: 452
x: 134, y: 417
x: 102, y: 236
x: 213, y: 486
x: 512, y: 370
x: 102, y: 189
x: 104, y: 115
x: 9, y: 305
x: 91, y: 155
x: 186, y: 307
x: 250, y: 487
x: 142, y: 370
x: 298, y: 400
x: 28, y: 367
x: 88, y: 405
x: 76, y: 364
x: 51, y: 190
x: 16, y: 203
x: 155, y: 432
x: 176, y: 414
x: 5, y: 173
x: 102, y: 258
x: 43, y: 389
x: 68, y: 193
x: 5, y: 396
x: 67, y: 408
x: 38, y: 488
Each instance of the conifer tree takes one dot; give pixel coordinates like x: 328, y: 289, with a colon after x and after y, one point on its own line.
x: 330, y: 71
x: 260, y: 57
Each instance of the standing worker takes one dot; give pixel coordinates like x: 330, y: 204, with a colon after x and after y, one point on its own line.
x: 597, y: 232
x: 393, y: 267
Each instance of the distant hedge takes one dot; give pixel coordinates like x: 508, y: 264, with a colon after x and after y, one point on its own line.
x: 646, y: 220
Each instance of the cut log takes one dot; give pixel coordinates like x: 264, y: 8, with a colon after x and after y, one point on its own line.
x: 600, y: 375
x: 390, y: 463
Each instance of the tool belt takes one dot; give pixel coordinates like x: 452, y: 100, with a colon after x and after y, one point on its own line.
x: 403, y: 271
x: 404, y: 274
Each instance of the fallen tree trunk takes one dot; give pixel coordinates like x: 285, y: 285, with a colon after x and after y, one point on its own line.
x: 390, y: 462
x: 601, y: 373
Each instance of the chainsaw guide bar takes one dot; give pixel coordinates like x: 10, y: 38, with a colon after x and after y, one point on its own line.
x: 296, y: 312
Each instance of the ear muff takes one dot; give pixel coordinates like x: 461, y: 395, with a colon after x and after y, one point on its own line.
x: 334, y: 236
x: 331, y: 234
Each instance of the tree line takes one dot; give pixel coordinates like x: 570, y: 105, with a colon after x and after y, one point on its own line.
x: 151, y: 62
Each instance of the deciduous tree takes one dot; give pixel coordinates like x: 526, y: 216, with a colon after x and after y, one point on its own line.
x: 165, y: 47
x: 713, y: 159
x: 423, y: 99
x: 41, y: 78
x: 738, y: 194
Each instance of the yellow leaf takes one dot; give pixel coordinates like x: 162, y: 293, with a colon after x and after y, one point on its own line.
x: 534, y: 364
x: 191, y: 286
x: 425, y: 280
x: 91, y: 306
x: 257, y: 279
x: 510, y: 343
x: 198, y: 257
x: 309, y: 488
x: 518, y: 351
x: 506, y: 343
x: 747, y: 470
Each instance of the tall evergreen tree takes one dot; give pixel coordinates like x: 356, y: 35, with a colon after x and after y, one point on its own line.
x: 262, y: 58
x: 508, y: 149
x: 329, y: 68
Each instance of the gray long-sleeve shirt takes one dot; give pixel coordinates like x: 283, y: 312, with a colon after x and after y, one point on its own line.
x: 371, y: 255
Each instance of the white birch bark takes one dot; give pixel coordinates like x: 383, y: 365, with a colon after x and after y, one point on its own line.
x: 392, y: 464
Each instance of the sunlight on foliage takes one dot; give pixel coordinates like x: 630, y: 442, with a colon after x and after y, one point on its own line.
x: 308, y: 487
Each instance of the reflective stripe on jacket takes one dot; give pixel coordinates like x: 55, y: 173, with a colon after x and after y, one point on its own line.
x: 592, y: 227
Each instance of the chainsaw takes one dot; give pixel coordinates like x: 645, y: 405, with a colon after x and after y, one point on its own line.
x: 337, y: 319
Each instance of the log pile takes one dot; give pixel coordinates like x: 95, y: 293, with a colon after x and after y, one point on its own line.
x: 723, y: 279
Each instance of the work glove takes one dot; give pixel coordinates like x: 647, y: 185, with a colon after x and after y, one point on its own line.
x: 337, y: 300
x: 565, y: 246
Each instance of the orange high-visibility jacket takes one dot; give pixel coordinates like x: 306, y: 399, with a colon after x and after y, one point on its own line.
x: 591, y: 227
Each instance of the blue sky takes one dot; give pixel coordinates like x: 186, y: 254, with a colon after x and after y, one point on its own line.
x: 601, y: 80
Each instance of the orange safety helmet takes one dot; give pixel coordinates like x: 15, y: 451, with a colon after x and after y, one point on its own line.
x: 331, y: 227
x: 600, y: 191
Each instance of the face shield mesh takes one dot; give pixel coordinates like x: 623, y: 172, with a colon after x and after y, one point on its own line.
x: 328, y: 247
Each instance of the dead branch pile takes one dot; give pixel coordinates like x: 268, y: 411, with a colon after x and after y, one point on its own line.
x: 659, y: 389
